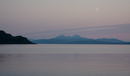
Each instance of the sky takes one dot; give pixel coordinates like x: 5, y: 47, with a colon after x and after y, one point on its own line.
x: 43, y: 19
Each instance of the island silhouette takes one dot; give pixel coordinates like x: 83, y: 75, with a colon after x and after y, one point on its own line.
x: 77, y: 39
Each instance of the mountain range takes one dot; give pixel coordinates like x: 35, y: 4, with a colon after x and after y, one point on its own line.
x: 76, y: 39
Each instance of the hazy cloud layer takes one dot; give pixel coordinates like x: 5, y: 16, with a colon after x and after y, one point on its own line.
x: 112, y: 31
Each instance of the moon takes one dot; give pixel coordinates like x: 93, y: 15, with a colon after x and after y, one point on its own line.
x: 96, y: 9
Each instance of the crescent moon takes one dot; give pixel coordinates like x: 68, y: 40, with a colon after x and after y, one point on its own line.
x: 96, y: 9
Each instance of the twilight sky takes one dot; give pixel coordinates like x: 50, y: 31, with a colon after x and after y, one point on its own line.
x: 39, y: 19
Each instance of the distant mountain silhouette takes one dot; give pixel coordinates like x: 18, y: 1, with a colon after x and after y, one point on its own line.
x: 76, y: 39
x: 110, y: 40
x: 9, y: 39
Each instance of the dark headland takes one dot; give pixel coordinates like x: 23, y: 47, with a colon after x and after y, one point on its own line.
x: 6, y: 38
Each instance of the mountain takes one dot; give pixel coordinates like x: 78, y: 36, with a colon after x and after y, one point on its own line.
x: 73, y: 38
x: 76, y: 39
x: 9, y: 39
x: 110, y: 40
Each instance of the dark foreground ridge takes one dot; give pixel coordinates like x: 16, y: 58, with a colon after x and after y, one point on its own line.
x: 9, y: 39
x: 76, y: 39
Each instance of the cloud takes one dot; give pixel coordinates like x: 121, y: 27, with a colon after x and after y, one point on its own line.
x: 69, y: 30
x: 98, y: 30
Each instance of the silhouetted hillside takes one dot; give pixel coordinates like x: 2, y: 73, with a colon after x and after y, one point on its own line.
x: 110, y: 40
x: 9, y: 39
x: 76, y: 39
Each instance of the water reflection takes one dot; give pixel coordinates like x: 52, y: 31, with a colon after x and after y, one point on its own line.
x: 64, y: 64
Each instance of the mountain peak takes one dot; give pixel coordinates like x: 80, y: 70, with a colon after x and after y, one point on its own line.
x: 68, y: 37
x: 1, y: 31
x: 76, y: 36
x: 60, y: 37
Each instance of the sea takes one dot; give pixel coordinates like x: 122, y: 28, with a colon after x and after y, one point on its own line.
x: 64, y: 60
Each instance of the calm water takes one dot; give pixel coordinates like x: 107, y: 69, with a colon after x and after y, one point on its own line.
x: 64, y: 60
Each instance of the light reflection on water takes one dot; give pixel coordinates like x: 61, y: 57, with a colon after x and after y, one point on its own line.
x: 64, y: 63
